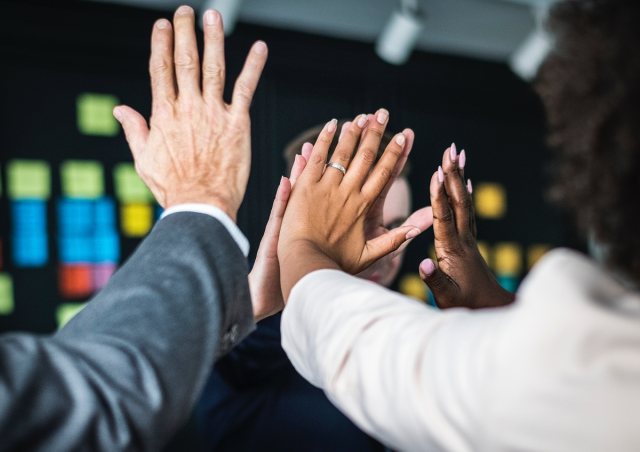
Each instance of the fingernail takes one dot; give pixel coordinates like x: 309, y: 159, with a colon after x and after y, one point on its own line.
x: 184, y: 10
x: 331, y: 127
x: 400, y: 139
x: 162, y: 24
x: 415, y: 232
x: 260, y: 48
x: 463, y: 159
x: 382, y: 116
x: 428, y: 267
x: 440, y: 174
x: 453, y: 152
x: 362, y: 120
x: 469, y: 186
x: 117, y: 114
x: 211, y: 17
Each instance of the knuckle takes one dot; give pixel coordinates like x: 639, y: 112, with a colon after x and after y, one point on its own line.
x: 376, y: 132
x: 186, y: 60
x: 446, y: 215
x: 368, y: 155
x: 465, y: 203
x: 159, y: 66
x: 214, y: 72
x: 343, y: 155
x: 385, y: 173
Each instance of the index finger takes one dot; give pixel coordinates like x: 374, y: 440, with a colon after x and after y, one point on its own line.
x: 161, y: 63
x: 248, y: 79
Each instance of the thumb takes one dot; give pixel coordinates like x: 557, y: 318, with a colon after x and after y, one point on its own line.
x: 387, y: 243
x: 135, y: 128
x: 442, y: 287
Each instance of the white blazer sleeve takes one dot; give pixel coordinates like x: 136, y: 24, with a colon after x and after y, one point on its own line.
x: 411, y: 376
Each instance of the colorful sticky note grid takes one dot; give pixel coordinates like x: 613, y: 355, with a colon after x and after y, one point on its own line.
x: 101, y: 274
x: 67, y: 311
x: 74, y: 281
x: 95, y: 114
x: 28, y: 179
x: 29, y: 241
x: 413, y: 286
x: 490, y: 200
x: 136, y: 219
x: 82, y: 179
x: 535, y: 253
x: 507, y: 259
x: 128, y: 185
x: 6, y: 294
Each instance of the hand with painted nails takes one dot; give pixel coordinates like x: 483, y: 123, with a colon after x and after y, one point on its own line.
x: 324, y: 225
x: 198, y: 148
x: 461, y: 277
x: 264, y: 279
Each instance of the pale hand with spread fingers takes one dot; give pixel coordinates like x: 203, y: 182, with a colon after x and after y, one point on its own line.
x: 461, y: 277
x: 198, y: 148
x: 324, y: 224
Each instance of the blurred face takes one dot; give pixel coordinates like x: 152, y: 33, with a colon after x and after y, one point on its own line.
x: 397, y: 208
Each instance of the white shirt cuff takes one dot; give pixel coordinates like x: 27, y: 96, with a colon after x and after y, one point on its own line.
x: 219, y: 215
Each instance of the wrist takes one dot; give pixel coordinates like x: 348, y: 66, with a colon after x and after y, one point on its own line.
x: 210, y: 201
x: 298, y: 258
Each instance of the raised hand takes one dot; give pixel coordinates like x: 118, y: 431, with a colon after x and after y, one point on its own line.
x: 461, y: 277
x: 324, y: 225
x: 198, y: 149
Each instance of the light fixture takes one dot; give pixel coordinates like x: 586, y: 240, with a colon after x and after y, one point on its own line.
x: 400, y: 35
x: 228, y: 9
x: 526, y: 60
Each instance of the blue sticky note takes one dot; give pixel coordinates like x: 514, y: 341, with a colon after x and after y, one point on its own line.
x: 105, y: 214
x: 29, y: 217
x: 106, y: 247
x: 76, y: 249
x: 509, y: 283
x: 75, y: 217
x: 30, y: 250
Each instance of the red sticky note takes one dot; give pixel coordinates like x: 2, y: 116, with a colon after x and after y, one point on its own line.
x: 74, y: 281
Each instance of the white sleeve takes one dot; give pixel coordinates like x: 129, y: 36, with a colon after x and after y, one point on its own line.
x: 219, y: 215
x: 411, y: 376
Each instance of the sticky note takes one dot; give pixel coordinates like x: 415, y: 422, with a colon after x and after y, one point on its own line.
x: 507, y: 258
x: 95, y: 114
x: 74, y: 281
x: 535, y: 252
x: 509, y: 283
x: 101, y: 274
x: 30, y: 250
x: 106, y: 247
x: 28, y: 217
x: 128, y: 185
x: 28, y: 179
x: 136, y: 219
x: 75, y: 217
x: 76, y: 249
x: 490, y: 200
x: 6, y: 294
x: 485, y: 251
x: 82, y: 179
x: 67, y: 311
x: 105, y: 214
x: 412, y: 285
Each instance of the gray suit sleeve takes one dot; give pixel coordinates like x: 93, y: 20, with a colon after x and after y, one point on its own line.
x: 126, y: 371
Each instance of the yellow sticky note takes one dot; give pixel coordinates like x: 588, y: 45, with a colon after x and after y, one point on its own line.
x: 82, y: 179
x: 28, y: 179
x: 6, y: 294
x: 95, y: 114
x: 507, y: 258
x: 67, y: 311
x: 136, y: 219
x: 128, y: 185
x: 412, y: 285
x: 485, y: 251
x: 535, y: 252
x: 490, y: 200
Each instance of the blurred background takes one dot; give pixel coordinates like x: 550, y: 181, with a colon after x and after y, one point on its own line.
x: 72, y: 207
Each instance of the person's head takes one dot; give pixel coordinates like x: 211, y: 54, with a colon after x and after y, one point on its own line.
x: 590, y: 85
x: 397, y: 206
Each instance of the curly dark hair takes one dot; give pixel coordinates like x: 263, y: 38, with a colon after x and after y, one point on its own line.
x: 590, y: 85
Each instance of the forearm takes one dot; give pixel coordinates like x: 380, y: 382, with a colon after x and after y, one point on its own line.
x: 301, y: 258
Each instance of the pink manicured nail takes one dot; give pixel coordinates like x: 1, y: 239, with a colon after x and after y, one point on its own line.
x: 331, y: 127
x: 469, y: 186
x: 463, y: 159
x: 428, y: 267
x: 211, y: 17
x: 415, y: 232
x: 162, y: 24
x: 362, y: 121
x: 440, y: 174
x: 345, y: 126
x: 382, y: 116
x: 453, y: 152
x: 184, y: 10
x: 260, y: 48
x: 400, y: 139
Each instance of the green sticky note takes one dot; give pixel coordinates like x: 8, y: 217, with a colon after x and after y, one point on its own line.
x: 67, y: 311
x: 82, y: 179
x: 128, y: 185
x: 28, y: 179
x: 6, y: 294
x: 95, y: 114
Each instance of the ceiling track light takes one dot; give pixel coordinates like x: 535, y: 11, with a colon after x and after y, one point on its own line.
x: 228, y: 9
x: 400, y: 35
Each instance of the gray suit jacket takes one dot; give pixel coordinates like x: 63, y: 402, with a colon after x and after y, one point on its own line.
x: 126, y: 371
